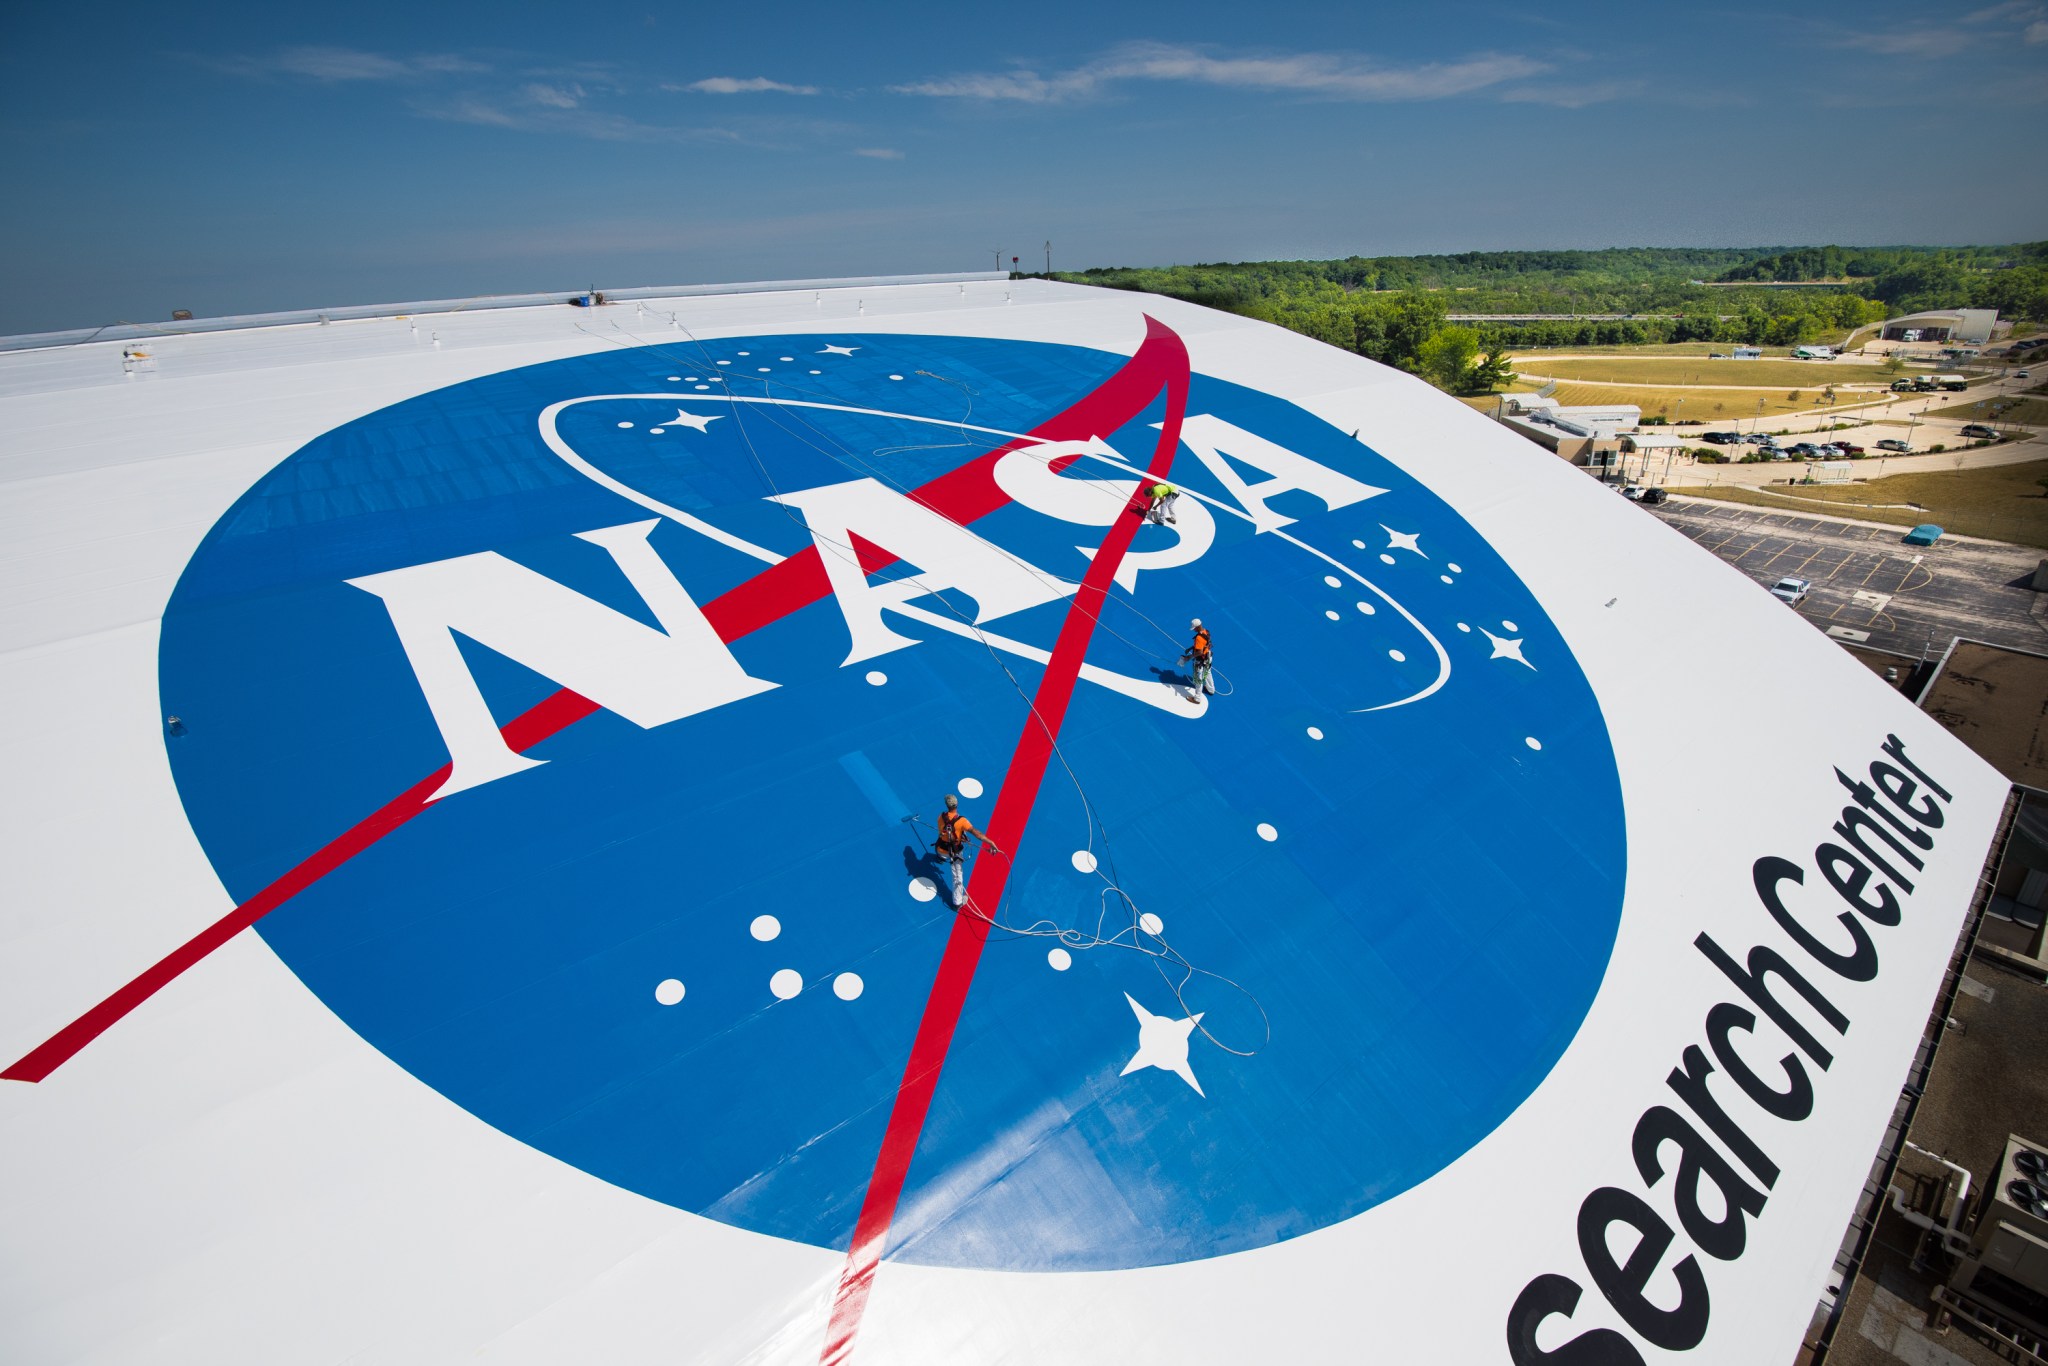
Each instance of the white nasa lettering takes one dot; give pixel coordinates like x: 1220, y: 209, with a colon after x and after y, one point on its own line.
x: 946, y: 554
x: 648, y: 676
x: 1210, y: 437
x: 1028, y: 477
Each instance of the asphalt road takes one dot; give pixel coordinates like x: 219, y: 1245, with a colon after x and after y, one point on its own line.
x: 1869, y: 588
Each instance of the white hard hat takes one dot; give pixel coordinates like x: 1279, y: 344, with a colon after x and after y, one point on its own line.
x: 1196, y: 622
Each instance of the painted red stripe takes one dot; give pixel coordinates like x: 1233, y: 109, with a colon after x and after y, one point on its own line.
x: 963, y: 494
x: 1168, y: 361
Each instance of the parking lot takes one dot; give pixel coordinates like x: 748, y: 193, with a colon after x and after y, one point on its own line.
x: 1869, y: 588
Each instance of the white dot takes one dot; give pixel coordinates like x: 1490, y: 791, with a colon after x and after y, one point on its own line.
x: 786, y: 984
x: 895, y: 377
x: 725, y: 362
x: 1463, y: 627
x: 1397, y: 656
x: 1060, y: 959
x: 923, y: 889
x: 669, y: 992
x: 746, y: 353
x: 1084, y: 861
x: 817, y: 372
x: 625, y: 426
x: 1267, y: 832
x: 1386, y: 559
x: 1365, y: 607
x: 1447, y: 578
x: 847, y: 986
x: 675, y: 379
x: 1532, y: 742
x: 765, y: 928
x: 1150, y: 923
x: 763, y: 369
x: 1315, y: 733
x: 1330, y: 614
x: 877, y: 677
x: 970, y: 787
x: 656, y: 431
x: 786, y: 359
x: 1454, y: 569
x: 1358, y: 545
x: 1509, y: 626
x: 1332, y: 580
x: 703, y: 388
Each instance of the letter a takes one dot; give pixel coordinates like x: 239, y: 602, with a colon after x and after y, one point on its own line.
x: 648, y: 676
x: 1210, y: 438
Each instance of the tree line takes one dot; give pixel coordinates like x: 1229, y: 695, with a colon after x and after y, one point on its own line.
x: 1396, y: 309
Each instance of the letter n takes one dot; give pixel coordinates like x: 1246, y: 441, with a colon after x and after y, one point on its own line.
x: 648, y: 676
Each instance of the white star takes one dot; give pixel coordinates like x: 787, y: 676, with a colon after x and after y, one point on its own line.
x: 1505, y: 649
x: 831, y: 350
x: 1404, y: 540
x: 1163, y: 1043
x: 696, y: 422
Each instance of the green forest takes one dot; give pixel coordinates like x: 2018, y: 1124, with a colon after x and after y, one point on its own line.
x: 1398, y: 309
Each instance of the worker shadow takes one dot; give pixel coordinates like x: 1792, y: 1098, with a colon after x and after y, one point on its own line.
x: 1173, y: 677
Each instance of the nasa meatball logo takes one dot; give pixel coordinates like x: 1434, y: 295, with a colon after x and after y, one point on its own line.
x: 584, y: 728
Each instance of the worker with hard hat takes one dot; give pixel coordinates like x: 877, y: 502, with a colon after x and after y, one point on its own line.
x: 1198, y: 653
x: 954, y: 832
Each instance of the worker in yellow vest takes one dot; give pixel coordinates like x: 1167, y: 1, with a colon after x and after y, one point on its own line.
x: 1163, y: 498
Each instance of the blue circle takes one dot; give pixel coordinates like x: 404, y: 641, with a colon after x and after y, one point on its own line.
x: 1423, y: 933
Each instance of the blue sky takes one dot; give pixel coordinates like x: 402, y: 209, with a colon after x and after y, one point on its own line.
x: 237, y: 157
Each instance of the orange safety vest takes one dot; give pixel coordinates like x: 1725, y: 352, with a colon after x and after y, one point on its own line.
x: 953, y: 831
x: 1200, y: 648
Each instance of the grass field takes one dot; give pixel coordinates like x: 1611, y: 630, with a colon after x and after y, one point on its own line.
x: 2002, y: 502
x: 1685, y: 372
x: 1703, y: 405
x: 2028, y: 412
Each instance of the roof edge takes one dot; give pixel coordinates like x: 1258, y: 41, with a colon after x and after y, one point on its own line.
x: 32, y: 341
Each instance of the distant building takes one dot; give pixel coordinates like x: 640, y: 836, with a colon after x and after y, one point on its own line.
x: 1588, y: 436
x: 1596, y: 422
x: 1942, y: 325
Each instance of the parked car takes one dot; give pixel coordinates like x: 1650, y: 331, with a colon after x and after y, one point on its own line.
x: 1653, y: 496
x: 1805, y: 448
x: 1979, y: 430
x: 1722, y: 438
x: 1791, y: 591
x: 1893, y: 444
x: 1849, y: 448
x: 2021, y: 374
x: 1828, y: 452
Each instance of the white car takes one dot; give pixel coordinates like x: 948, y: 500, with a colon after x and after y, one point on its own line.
x: 1790, y: 591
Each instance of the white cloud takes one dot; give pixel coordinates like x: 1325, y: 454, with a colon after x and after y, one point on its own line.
x: 2011, y: 9
x: 2037, y: 32
x: 336, y: 64
x: 751, y: 85
x: 537, y: 116
x: 1918, y: 42
x: 1573, y: 94
x: 554, y: 96
x: 879, y: 153
x: 1321, y: 74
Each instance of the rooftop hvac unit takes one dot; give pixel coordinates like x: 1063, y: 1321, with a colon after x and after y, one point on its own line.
x: 2012, y: 1229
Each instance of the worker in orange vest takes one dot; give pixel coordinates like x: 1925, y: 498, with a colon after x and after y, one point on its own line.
x: 954, y: 832
x: 1199, y: 654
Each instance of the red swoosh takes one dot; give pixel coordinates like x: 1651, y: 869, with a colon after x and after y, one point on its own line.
x: 1167, y: 362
